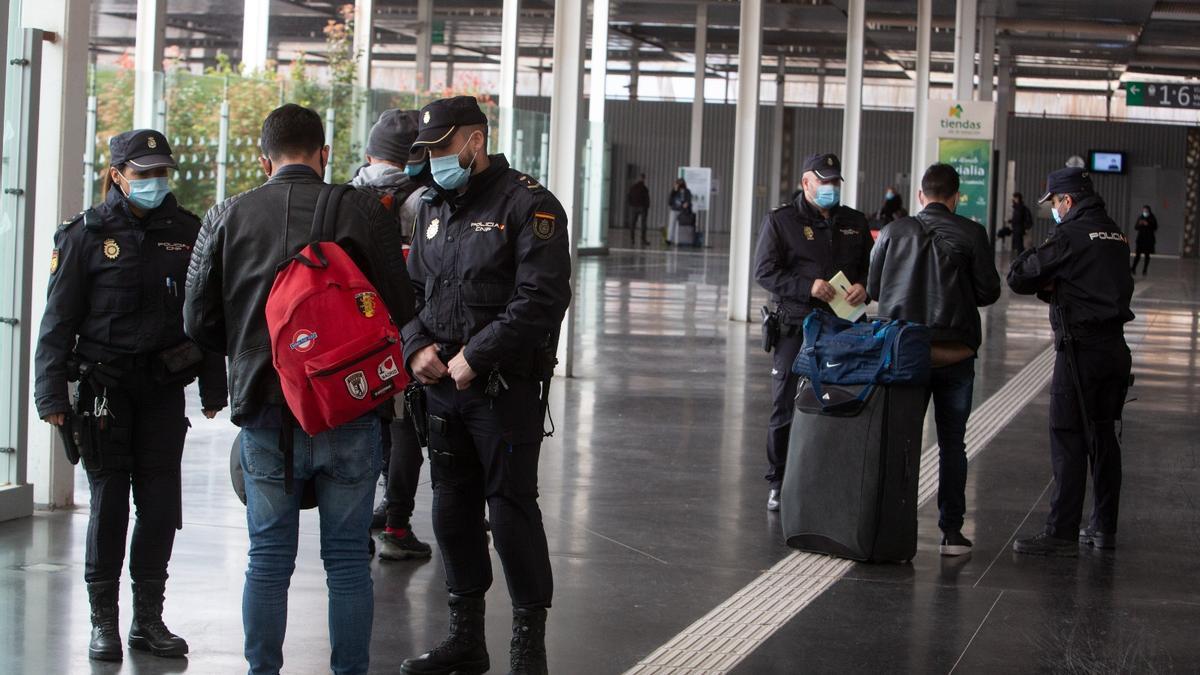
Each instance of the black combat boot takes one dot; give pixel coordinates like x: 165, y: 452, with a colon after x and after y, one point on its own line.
x: 527, y: 654
x: 464, y: 650
x: 106, y: 636
x: 148, y: 632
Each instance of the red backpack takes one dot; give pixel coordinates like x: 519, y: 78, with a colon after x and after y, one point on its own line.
x: 333, y: 342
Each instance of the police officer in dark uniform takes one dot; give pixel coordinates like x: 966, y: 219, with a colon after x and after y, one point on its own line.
x: 491, y: 269
x: 1082, y: 272
x: 803, y: 244
x: 114, y: 323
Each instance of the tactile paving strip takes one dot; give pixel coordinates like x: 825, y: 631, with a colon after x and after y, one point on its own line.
x: 718, y: 641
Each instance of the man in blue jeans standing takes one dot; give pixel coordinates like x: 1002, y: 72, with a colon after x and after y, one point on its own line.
x: 233, y: 267
x: 937, y: 268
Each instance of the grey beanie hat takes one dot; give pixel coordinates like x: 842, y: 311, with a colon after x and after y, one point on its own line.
x: 393, y: 135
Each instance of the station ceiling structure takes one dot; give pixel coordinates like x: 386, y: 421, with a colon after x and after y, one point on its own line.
x: 1089, y: 43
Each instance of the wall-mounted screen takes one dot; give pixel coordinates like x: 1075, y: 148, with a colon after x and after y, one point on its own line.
x: 1105, y: 161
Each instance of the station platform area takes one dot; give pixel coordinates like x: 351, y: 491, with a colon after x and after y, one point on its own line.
x: 665, y: 557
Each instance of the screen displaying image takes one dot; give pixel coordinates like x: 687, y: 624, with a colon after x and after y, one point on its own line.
x: 1108, y: 162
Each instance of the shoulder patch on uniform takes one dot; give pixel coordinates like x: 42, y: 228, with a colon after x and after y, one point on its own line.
x: 529, y: 183
x: 66, y: 224
x: 543, y: 225
x: 781, y: 207
x: 54, y: 261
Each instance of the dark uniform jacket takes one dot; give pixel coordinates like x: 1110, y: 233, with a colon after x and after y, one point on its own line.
x: 935, y: 268
x: 241, y: 244
x: 491, y: 269
x: 798, y: 245
x: 116, y: 295
x: 1086, y: 262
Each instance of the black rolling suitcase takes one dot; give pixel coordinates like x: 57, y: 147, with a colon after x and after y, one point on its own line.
x: 850, y: 487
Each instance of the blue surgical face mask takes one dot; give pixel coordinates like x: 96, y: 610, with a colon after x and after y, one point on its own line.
x: 148, y: 193
x: 828, y: 196
x: 1145, y: 214
x: 448, y: 173
x: 889, y: 194
x: 1054, y: 214
x: 414, y: 170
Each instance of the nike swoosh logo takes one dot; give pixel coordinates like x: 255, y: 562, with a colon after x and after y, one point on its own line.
x: 832, y: 365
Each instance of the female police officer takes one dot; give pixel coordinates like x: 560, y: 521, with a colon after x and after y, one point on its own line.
x: 114, y: 322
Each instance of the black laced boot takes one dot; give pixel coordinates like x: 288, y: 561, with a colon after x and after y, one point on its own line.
x: 464, y: 650
x: 527, y: 654
x: 106, y: 635
x: 148, y: 632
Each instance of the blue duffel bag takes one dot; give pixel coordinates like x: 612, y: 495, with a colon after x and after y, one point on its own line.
x: 840, y: 352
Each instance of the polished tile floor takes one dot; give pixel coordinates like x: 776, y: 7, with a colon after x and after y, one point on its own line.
x: 653, y: 498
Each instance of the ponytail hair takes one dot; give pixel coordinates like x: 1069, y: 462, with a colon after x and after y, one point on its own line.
x: 106, y: 183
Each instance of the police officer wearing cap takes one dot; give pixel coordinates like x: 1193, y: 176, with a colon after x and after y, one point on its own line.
x: 491, y: 269
x: 1082, y: 271
x: 114, y: 323
x: 803, y: 245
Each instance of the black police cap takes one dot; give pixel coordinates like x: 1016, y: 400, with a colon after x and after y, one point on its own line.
x: 440, y: 119
x: 393, y: 135
x: 143, y: 149
x: 826, y: 166
x: 1070, y: 180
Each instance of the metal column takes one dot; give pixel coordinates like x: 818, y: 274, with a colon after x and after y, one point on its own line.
x: 61, y: 126
x: 364, y: 44
x: 596, y: 122
x: 921, y: 101
x: 964, y: 49
x: 330, y: 132
x: 255, y: 29
x: 148, y: 62
x: 745, y: 132
x: 564, y: 142
x: 510, y: 51
x: 1005, y: 99
x: 856, y: 15
x: 424, y: 43
x: 696, y: 146
x: 776, y: 162
x: 987, y: 57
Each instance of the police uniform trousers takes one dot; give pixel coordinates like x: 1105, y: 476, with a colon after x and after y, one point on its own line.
x: 404, y: 461
x: 485, y: 449
x: 140, y: 450
x: 1104, y: 366
x: 783, y: 391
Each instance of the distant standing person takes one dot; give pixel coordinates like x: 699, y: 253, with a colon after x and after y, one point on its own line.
x: 1146, y: 226
x: 1022, y: 222
x: 681, y: 198
x: 638, y: 202
x: 893, y: 207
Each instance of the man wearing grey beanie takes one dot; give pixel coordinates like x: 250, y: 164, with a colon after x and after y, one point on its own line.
x: 392, y: 176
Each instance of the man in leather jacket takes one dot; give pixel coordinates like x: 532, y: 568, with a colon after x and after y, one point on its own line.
x: 241, y: 244
x: 937, y: 268
x: 803, y: 244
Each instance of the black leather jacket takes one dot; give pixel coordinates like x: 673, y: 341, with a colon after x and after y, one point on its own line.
x: 938, y: 269
x: 116, y: 293
x: 243, y: 241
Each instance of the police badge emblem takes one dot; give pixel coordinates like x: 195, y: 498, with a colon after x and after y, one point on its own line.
x: 426, y: 117
x: 53, y: 261
x: 366, y: 302
x: 111, y: 249
x: 808, y: 233
x: 543, y: 225
x: 432, y: 230
x: 356, y: 384
x: 151, y: 143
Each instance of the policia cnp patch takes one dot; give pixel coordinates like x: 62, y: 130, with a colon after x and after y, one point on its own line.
x: 543, y: 225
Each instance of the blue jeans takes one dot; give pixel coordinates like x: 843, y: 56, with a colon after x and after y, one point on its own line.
x: 951, y: 388
x: 344, y: 464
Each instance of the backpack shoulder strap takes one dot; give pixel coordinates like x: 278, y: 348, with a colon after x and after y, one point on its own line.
x: 324, y: 225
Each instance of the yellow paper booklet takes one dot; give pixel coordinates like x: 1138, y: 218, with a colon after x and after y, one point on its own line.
x: 841, y: 286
